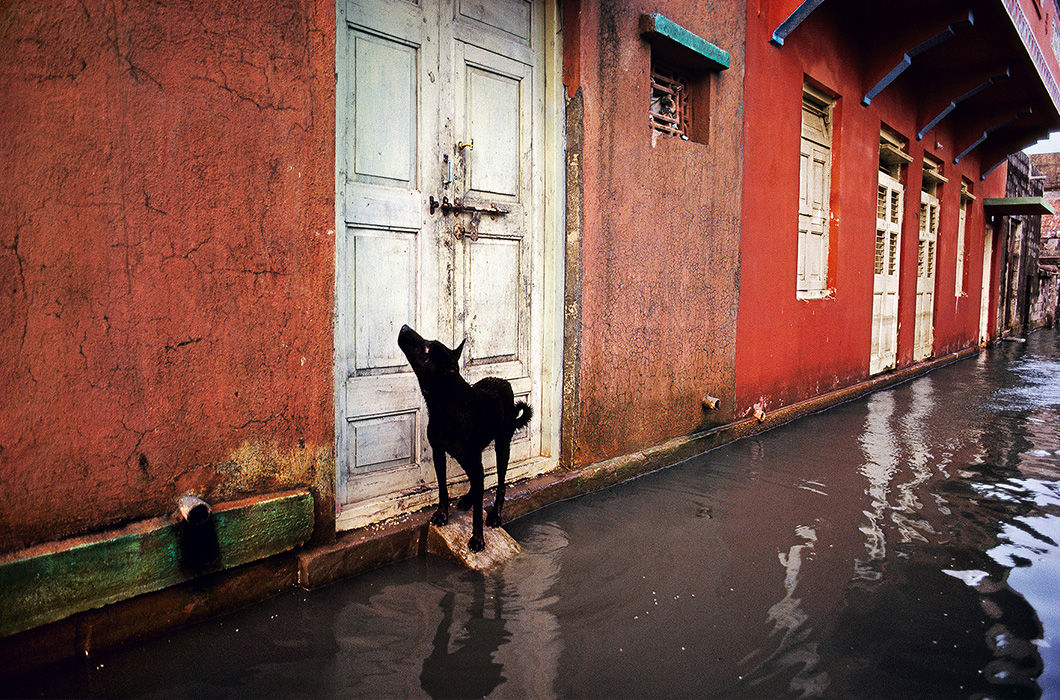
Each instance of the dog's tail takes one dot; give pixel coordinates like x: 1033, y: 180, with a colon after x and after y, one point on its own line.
x: 523, y: 413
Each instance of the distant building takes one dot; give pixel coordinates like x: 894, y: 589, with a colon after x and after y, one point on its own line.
x: 1046, y: 307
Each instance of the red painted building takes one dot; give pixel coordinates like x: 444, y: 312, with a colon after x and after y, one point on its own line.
x: 668, y: 225
x: 965, y: 84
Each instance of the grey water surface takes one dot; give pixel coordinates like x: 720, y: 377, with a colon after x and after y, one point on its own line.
x: 904, y: 545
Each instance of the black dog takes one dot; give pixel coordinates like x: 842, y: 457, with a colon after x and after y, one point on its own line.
x: 462, y: 420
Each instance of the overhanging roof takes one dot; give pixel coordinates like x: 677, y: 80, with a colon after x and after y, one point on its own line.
x: 1017, y: 206
x: 975, y: 65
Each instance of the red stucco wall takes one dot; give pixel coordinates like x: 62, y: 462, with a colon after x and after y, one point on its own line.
x: 167, y: 257
x: 790, y: 349
x: 661, y: 221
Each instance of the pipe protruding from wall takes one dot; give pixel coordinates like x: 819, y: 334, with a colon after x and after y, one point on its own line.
x: 193, y: 509
x: 760, y: 415
x: 711, y: 403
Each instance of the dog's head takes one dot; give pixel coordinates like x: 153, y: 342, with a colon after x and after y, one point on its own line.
x: 431, y: 360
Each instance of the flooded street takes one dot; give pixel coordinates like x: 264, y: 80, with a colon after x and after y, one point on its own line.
x: 903, y: 545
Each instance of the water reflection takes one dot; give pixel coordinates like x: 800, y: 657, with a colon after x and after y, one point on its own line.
x: 906, y: 545
x: 469, y: 669
x: 479, y: 634
x: 880, y: 446
x: 790, y: 620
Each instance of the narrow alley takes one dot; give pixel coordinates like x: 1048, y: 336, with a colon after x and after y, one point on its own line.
x: 902, y: 545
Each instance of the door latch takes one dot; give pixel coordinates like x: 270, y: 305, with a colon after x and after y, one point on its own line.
x: 457, y: 206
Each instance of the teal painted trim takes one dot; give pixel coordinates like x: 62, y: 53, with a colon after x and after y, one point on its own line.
x: 1018, y: 206
x: 56, y: 580
x: 657, y: 25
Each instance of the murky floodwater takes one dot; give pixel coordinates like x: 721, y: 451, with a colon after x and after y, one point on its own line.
x: 905, y: 545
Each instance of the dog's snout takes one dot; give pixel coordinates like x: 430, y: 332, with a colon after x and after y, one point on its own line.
x: 405, y: 328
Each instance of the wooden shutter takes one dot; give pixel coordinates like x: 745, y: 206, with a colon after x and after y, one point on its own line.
x: 815, y: 167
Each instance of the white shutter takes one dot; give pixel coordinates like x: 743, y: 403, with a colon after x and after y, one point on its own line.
x: 958, y: 284
x: 815, y: 165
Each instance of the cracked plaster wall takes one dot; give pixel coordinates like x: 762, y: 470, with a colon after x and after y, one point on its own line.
x: 660, y: 239
x: 166, y: 258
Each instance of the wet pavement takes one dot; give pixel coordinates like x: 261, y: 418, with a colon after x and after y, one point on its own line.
x: 903, y: 545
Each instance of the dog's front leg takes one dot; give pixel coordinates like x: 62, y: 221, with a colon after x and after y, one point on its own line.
x: 441, y: 516
x: 476, y: 477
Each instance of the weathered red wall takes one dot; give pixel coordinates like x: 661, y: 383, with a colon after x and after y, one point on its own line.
x: 790, y: 349
x: 661, y: 222
x: 167, y: 258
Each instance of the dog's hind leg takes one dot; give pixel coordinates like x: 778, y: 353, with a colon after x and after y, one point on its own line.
x: 476, y: 477
x: 504, y: 450
x: 441, y: 516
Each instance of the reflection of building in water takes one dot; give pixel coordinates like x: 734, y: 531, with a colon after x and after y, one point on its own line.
x: 920, y: 460
x: 881, y: 461
x: 1014, y: 629
x: 790, y: 620
x: 531, y: 656
x: 903, y: 451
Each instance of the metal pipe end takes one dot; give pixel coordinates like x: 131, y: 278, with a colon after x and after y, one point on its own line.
x: 193, y: 509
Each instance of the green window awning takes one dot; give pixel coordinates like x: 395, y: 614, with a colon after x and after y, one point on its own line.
x: 667, y: 34
x: 1017, y: 206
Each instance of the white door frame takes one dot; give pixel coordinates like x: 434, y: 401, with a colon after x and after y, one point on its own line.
x: 549, y: 106
x: 927, y: 265
x: 987, y: 292
x: 883, y: 348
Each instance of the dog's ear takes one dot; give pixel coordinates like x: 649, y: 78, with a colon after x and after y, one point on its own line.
x: 459, y: 349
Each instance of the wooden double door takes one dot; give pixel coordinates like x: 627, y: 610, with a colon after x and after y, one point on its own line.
x: 440, y: 226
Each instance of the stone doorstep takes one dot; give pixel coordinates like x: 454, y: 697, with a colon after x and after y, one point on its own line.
x: 368, y: 548
x: 451, y: 541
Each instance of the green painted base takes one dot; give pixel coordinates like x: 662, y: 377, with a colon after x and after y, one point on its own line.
x: 52, y: 581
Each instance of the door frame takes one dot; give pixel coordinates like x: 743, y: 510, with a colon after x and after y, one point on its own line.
x: 551, y: 218
x: 877, y: 332
x: 985, y: 299
x: 927, y: 251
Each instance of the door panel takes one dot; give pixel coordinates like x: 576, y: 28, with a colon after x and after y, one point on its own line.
x: 384, y: 269
x: 814, y: 178
x: 384, y: 138
x: 385, y: 145
x: 495, y: 274
x: 494, y: 125
x: 513, y: 17
x: 492, y: 300
x: 984, y: 298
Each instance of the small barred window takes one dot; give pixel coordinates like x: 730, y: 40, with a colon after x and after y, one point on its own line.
x: 668, y: 112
